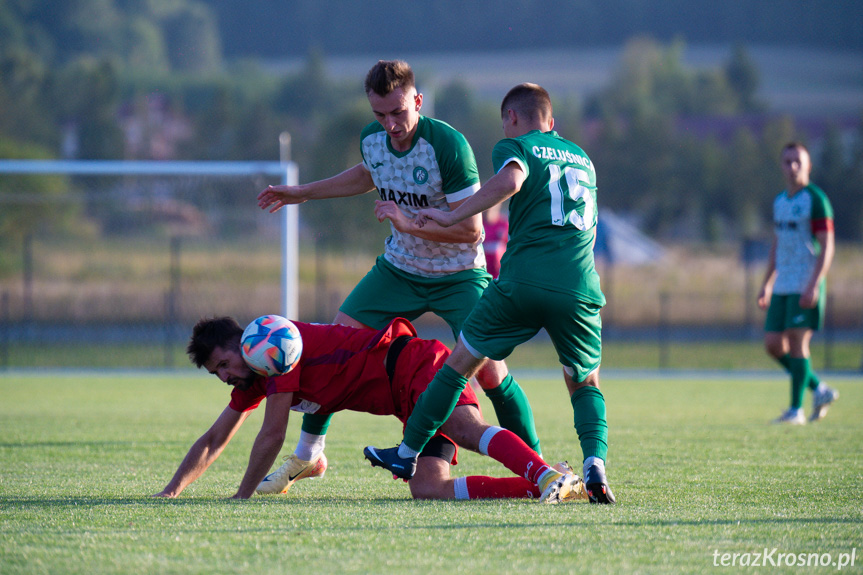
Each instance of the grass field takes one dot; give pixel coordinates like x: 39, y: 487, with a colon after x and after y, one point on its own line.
x: 697, y: 471
x: 846, y: 356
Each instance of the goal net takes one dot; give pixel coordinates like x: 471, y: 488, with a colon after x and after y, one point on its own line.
x: 107, y: 263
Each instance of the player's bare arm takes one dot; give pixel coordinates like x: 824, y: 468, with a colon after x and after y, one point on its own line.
x: 352, y: 182
x: 204, y: 452
x: 468, y: 231
x: 769, y: 277
x: 809, y: 295
x: 267, y: 444
x: 502, y: 186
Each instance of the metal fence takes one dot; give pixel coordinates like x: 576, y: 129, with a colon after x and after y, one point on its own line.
x: 145, y: 258
x: 101, y: 296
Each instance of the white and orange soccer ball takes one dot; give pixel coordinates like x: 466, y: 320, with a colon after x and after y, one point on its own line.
x: 271, y: 345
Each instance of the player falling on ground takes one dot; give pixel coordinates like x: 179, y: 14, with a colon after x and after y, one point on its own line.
x: 414, y: 162
x: 793, y: 291
x: 547, y: 280
x: 378, y: 372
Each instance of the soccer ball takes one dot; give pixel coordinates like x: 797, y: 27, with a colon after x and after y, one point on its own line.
x: 271, y: 345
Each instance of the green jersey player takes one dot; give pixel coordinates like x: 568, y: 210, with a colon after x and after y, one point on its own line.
x: 547, y: 280
x: 793, y: 288
x: 414, y: 162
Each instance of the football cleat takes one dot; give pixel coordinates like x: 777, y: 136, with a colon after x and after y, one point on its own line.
x: 791, y: 416
x: 596, y: 485
x: 557, y: 487
x: 294, y: 469
x: 389, y: 459
x: 821, y: 400
x: 574, y: 494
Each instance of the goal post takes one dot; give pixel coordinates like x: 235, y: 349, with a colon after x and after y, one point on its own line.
x: 286, y: 170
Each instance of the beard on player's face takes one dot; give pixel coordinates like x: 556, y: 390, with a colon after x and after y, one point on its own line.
x: 243, y: 383
x: 240, y: 375
x: 245, y: 377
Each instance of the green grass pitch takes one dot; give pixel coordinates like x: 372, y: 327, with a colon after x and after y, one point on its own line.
x: 698, y: 472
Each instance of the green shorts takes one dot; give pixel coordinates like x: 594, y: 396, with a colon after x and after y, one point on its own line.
x: 387, y: 292
x: 510, y: 314
x: 785, y: 312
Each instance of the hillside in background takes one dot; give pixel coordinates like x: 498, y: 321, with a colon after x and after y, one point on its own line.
x: 683, y: 104
x: 263, y: 28
x: 799, y: 81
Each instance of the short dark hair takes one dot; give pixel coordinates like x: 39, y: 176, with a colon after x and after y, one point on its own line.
x: 388, y: 75
x: 795, y: 145
x: 529, y: 100
x: 210, y: 333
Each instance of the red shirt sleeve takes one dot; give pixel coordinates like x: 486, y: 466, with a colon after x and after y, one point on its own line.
x: 822, y: 225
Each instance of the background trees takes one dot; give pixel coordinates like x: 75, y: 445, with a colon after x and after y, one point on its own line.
x: 690, y: 152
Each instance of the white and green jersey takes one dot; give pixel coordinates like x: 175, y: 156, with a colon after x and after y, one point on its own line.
x: 552, y: 218
x: 796, y: 220
x: 439, y: 168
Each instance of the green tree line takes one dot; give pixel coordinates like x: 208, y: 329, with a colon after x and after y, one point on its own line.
x: 276, y: 29
x: 76, y: 65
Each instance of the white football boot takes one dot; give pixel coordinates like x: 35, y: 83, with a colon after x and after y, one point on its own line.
x: 791, y: 416
x: 294, y: 469
x: 822, y: 397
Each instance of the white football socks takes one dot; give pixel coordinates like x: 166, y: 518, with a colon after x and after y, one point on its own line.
x: 406, y: 452
x: 309, y: 445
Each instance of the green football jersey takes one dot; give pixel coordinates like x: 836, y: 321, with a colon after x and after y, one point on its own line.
x: 439, y: 168
x: 552, y: 218
x: 796, y: 220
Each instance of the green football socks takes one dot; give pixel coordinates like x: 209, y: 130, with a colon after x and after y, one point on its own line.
x: 588, y: 406
x: 785, y: 362
x: 316, y: 424
x: 801, y: 376
x: 812, y: 379
x: 433, y: 407
x: 513, y: 411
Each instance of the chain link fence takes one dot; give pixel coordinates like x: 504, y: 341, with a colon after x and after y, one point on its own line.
x: 126, y: 265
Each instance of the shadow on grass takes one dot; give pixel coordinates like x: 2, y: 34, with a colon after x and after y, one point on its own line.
x: 55, y: 503
x: 99, y: 444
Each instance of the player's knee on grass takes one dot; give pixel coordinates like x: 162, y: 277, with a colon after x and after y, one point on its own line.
x: 432, y: 479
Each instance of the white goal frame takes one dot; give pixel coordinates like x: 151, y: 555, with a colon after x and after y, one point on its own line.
x: 287, y: 170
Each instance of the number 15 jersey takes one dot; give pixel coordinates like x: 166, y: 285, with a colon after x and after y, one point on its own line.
x: 552, y: 218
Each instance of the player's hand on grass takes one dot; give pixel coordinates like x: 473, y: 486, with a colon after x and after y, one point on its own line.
x: 274, y: 197
x: 164, y: 494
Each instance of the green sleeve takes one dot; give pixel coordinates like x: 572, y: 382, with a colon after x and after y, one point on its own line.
x: 821, y: 208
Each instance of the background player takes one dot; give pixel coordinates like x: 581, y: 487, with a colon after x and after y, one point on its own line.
x: 793, y: 290
x: 379, y: 372
x: 414, y: 162
x: 547, y: 280
x: 496, y: 226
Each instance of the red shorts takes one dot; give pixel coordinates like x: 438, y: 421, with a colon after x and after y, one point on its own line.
x: 417, y: 365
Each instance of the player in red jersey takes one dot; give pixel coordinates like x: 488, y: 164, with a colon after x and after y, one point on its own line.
x: 380, y: 372
x: 496, y: 226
